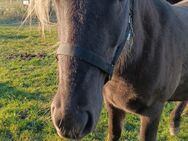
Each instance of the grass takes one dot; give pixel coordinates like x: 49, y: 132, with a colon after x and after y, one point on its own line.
x: 28, y: 81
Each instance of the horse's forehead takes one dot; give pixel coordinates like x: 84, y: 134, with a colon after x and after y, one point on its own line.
x: 83, y: 8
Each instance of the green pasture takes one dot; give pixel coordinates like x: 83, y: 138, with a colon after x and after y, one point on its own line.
x: 28, y: 82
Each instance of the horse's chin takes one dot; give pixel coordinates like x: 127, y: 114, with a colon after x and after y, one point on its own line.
x: 73, y: 137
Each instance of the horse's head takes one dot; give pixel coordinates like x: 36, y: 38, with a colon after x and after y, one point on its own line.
x: 98, y: 27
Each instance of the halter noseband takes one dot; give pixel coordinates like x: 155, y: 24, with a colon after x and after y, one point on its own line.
x: 94, y: 59
x: 85, y: 55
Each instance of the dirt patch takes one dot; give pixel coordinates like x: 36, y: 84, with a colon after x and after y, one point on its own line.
x: 26, y: 56
x: 23, y: 114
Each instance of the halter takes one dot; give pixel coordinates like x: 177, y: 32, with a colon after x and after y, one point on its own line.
x: 94, y: 59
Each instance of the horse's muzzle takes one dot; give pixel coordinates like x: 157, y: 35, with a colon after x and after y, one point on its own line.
x: 72, y: 124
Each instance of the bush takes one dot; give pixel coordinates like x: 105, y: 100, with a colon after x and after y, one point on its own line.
x: 12, y: 11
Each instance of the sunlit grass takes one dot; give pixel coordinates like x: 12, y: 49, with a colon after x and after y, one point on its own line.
x: 27, y: 86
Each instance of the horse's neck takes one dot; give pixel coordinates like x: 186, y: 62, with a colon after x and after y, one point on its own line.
x: 149, y: 17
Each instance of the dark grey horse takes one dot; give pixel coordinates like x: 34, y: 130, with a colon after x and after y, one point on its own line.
x: 151, y: 36
x: 175, y: 115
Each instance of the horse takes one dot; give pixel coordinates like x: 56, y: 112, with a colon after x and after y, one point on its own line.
x: 175, y: 115
x: 131, y: 53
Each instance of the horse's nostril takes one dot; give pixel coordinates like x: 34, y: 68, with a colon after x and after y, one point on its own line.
x: 89, y: 124
x: 72, y: 125
x: 60, y: 123
x: 52, y: 109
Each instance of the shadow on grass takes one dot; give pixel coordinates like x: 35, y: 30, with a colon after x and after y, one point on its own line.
x: 11, y: 21
x: 12, y: 37
x: 6, y: 135
x: 11, y: 93
x: 26, y: 125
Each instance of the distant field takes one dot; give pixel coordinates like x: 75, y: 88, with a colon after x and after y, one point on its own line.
x: 12, y: 12
x: 28, y: 82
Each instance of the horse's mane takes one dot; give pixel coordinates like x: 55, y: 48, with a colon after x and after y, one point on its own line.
x: 40, y: 9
